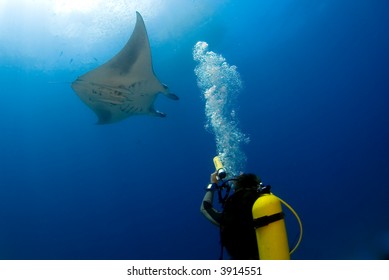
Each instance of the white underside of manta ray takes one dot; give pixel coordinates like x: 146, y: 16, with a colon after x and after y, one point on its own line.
x: 125, y: 85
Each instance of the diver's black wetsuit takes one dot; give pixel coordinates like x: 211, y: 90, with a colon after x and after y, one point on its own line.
x: 207, y: 209
x: 240, y: 240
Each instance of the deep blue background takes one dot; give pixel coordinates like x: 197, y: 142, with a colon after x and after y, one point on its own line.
x: 314, y: 104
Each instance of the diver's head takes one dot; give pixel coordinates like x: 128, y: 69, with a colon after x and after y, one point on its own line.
x: 247, y: 181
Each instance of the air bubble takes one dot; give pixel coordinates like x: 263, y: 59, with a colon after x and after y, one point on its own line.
x: 220, y: 85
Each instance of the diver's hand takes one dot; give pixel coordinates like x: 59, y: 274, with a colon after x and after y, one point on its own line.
x: 213, y: 178
x: 213, y: 185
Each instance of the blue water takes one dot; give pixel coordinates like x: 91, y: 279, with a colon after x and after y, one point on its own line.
x: 314, y: 104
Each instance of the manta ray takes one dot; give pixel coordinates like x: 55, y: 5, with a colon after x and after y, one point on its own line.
x: 126, y: 85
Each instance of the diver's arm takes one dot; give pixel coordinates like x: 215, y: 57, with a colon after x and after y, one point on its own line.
x: 207, y: 209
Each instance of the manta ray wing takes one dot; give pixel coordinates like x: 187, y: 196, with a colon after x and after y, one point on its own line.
x: 125, y: 85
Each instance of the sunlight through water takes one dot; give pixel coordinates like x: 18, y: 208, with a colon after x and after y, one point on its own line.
x: 69, y: 34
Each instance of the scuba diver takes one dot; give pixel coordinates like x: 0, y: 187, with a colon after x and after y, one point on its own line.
x: 251, y: 222
x: 237, y: 233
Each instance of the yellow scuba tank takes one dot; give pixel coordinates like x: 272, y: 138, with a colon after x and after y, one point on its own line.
x: 272, y: 239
